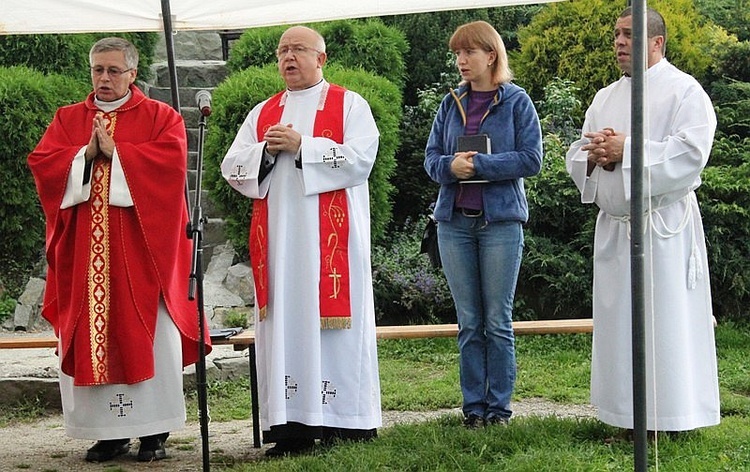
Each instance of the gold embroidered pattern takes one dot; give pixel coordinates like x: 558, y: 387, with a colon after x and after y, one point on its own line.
x: 99, y: 267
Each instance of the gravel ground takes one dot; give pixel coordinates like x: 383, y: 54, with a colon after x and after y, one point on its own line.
x: 42, y: 446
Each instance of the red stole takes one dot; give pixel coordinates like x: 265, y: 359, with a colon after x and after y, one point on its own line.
x: 334, y: 297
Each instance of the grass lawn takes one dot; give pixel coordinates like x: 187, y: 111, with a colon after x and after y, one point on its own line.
x: 421, y: 375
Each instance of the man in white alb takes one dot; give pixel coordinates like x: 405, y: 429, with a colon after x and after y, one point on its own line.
x: 682, y: 381
x: 304, y: 157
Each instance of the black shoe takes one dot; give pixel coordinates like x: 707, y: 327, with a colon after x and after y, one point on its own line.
x: 473, y: 421
x: 107, y: 449
x: 152, y: 448
x: 290, y: 447
x: 496, y: 421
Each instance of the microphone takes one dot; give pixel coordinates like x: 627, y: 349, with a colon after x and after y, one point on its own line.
x: 203, y: 99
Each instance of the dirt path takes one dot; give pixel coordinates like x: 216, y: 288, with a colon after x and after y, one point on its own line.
x: 42, y: 446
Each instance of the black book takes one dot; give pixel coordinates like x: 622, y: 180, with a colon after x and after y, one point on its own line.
x: 224, y: 333
x: 479, y: 143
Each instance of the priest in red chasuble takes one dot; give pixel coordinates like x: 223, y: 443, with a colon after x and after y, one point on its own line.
x: 110, y: 172
x: 304, y: 157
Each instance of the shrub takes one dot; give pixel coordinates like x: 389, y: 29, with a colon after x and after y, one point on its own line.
x: 236, y: 319
x: 408, y: 290
x: 428, y: 33
x: 574, y: 40
x: 7, y: 307
x: 236, y: 96
x: 732, y: 59
x: 560, y: 109
x: 732, y: 101
x: 731, y: 14
x: 556, y: 271
x: 28, y: 100
x: 724, y: 197
x: 354, y: 44
x: 68, y: 54
x: 415, y: 191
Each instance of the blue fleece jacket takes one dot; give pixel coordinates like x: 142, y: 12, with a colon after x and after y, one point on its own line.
x: 513, y: 127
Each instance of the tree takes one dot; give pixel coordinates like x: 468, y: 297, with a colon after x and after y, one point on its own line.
x: 428, y: 34
x: 733, y: 15
x: 573, y: 40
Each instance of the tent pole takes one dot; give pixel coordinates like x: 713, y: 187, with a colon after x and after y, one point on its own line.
x: 194, y: 232
x: 640, y: 459
x: 166, y: 12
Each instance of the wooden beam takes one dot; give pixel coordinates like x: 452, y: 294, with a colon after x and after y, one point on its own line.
x: 247, y: 338
x: 26, y: 342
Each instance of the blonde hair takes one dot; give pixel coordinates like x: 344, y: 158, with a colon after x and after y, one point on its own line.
x: 481, y: 35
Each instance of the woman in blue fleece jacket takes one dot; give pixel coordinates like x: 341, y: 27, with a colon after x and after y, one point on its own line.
x: 480, y: 211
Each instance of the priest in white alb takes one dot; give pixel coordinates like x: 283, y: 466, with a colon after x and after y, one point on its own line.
x: 304, y: 157
x: 110, y: 172
x: 682, y: 385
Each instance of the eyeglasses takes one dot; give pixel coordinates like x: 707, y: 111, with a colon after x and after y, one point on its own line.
x: 113, y: 72
x: 295, y: 50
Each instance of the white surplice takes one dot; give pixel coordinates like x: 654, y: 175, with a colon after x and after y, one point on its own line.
x: 118, y: 411
x: 682, y: 381
x: 305, y: 374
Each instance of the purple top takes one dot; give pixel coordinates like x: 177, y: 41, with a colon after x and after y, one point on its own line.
x: 470, y: 195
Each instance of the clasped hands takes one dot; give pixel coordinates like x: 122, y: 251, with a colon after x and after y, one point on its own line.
x: 462, y: 166
x: 604, y: 148
x: 281, y: 137
x: 101, y: 142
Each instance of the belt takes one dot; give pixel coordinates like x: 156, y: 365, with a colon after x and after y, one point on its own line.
x: 470, y: 212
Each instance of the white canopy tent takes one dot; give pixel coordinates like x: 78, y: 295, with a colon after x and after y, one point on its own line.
x: 77, y: 16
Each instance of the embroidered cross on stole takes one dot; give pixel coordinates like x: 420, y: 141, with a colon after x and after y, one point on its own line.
x: 334, y: 297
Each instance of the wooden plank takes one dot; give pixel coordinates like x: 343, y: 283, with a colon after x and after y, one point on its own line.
x: 247, y: 337
x: 520, y: 328
x: 585, y: 325
x: 26, y: 342
x: 417, y: 331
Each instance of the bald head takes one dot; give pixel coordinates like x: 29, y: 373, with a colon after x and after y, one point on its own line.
x: 301, y: 54
x: 303, y: 33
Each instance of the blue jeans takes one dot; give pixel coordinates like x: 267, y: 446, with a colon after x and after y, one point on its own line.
x: 481, y: 261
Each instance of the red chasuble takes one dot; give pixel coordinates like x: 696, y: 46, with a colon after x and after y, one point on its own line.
x: 334, y: 298
x: 109, y: 265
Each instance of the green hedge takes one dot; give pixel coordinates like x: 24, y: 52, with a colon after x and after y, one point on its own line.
x: 28, y: 101
x: 355, y: 44
x: 68, y: 54
x: 724, y: 198
x: 234, y: 98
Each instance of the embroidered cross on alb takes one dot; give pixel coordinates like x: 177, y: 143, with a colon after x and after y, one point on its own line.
x: 291, y: 386
x: 239, y: 175
x: 332, y: 158
x: 328, y: 391
x: 120, y: 405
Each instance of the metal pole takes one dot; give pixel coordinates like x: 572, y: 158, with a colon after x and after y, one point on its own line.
x: 640, y: 459
x: 166, y: 16
x: 166, y: 13
x: 195, y: 232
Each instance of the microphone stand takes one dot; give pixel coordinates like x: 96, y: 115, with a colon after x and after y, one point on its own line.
x: 195, y: 232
